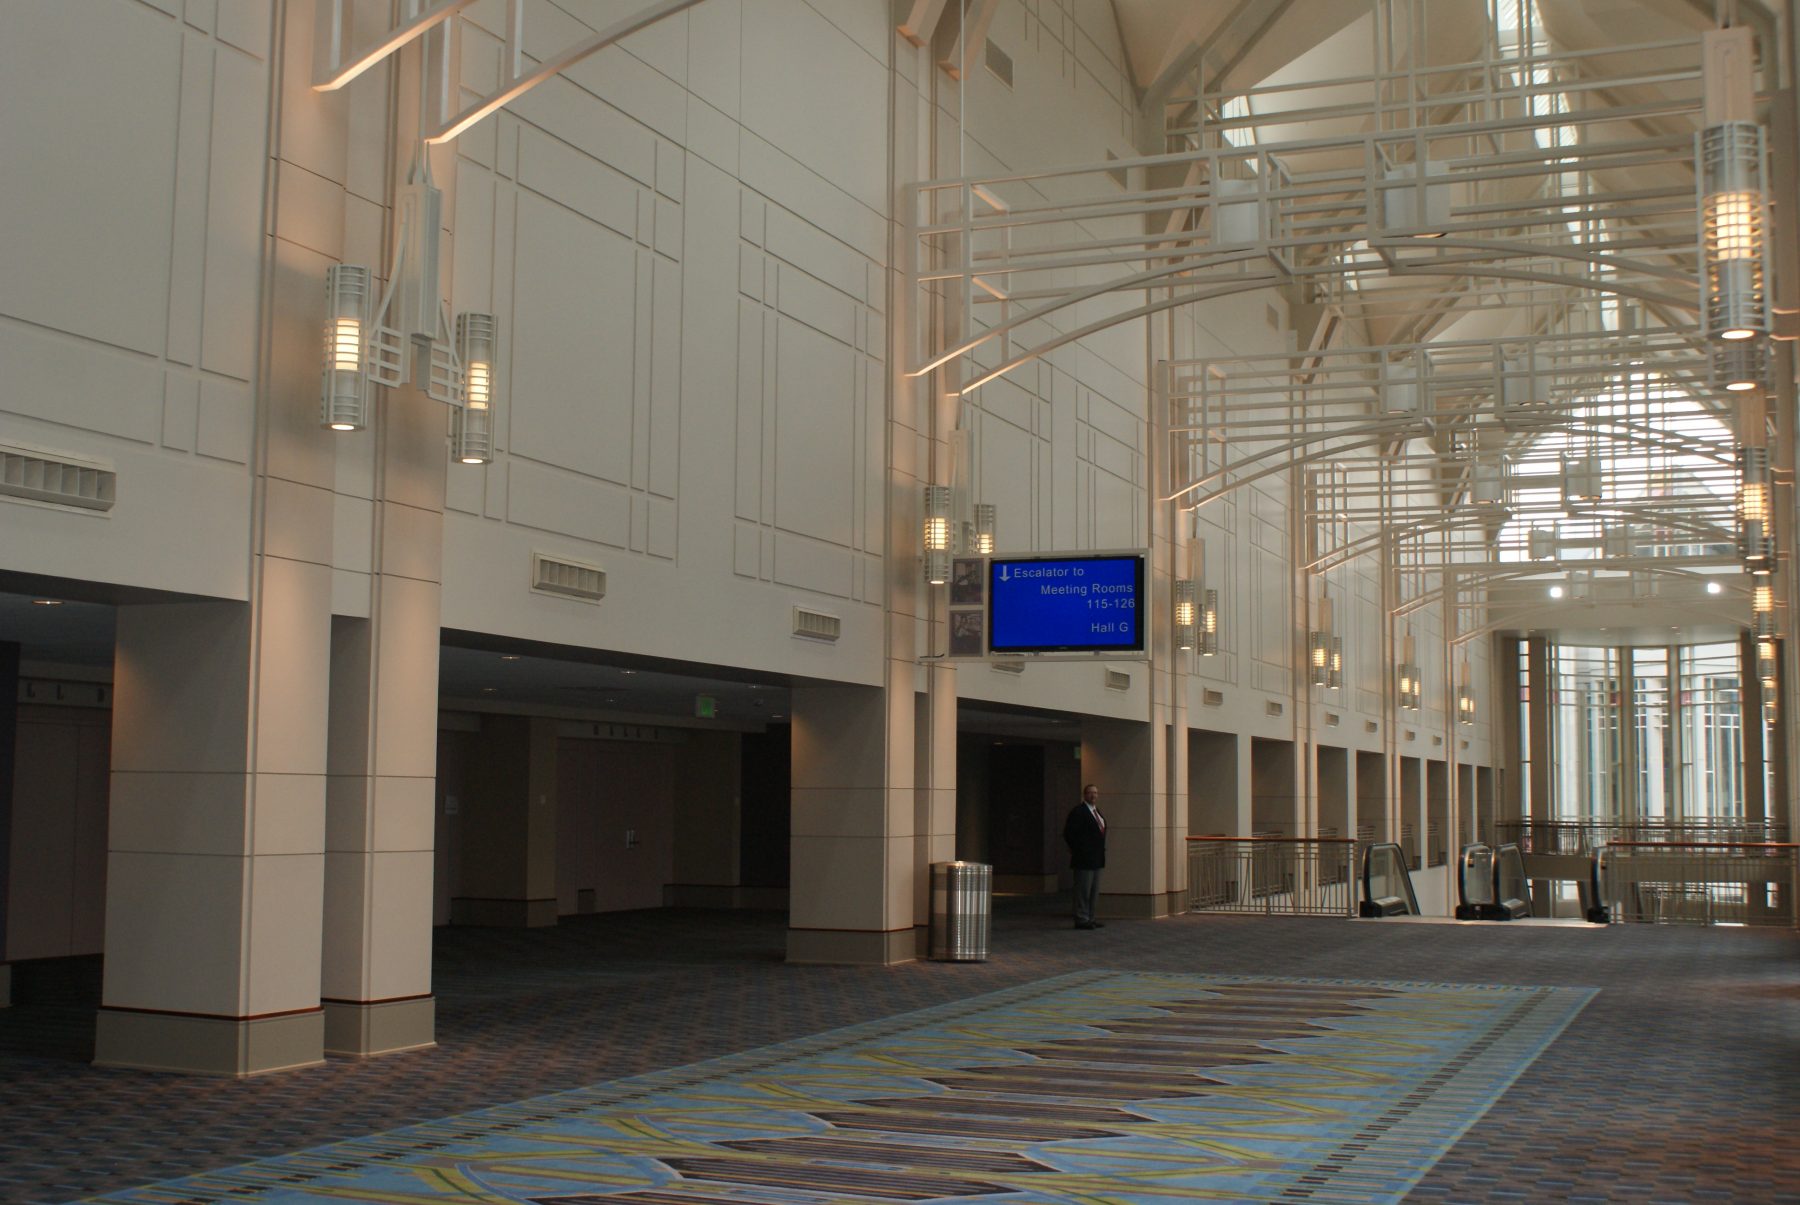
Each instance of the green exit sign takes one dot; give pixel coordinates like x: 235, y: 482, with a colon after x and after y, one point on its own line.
x: 705, y: 706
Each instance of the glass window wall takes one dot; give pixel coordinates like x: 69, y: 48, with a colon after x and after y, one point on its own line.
x: 1670, y: 753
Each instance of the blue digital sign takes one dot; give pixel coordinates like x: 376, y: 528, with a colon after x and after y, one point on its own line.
x: 1067, y: 604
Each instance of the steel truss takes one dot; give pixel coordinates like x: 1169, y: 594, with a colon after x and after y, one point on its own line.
x: 1539, y: 183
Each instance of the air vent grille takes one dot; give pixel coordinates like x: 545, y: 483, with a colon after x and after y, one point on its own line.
x: 1118, y: 679
x: 47, y: 477
x: 1000, y: 63
x: 1212, y: 698
x: 1273, y: 708
x: 816, y: 625
x: 1332, y: 720
x: 1371, y: 726
x: 1011, y: 665
x: 567, y: 579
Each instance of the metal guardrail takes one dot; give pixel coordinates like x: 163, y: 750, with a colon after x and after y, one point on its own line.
x: 1287, y: 876
x: 1701, y: 883
x: 1583, y: 837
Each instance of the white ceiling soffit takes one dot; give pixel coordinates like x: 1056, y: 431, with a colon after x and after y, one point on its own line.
x: 1239, y: 41
x: 1593, y: 24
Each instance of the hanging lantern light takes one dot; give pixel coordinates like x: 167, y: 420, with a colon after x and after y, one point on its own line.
x: 472, y: 427
x: 1732, y: 230
x: 1762, y: 607
x: 1410, y: 689
x: 1756, y: 541
x: 1318, y: 647
x: 1741, y: 365
x: 983, y: 542
x: 344, y: 399
x: 1766, y: 671
x: 1186, y: 615
x: 1209, y: 624
x: 1336, y: 679
x: 937, y: 534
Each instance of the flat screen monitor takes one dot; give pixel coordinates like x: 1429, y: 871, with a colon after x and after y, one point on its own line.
x: 1063, y: 603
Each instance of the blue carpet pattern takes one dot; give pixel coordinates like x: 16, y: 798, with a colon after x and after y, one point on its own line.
x: 1095, y: 1086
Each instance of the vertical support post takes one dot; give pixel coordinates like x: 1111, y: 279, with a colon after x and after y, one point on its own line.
x: 1538, y: 801
x: 1750, y: 721
x: 9, y: 737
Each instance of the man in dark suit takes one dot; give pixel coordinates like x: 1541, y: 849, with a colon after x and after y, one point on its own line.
x: 1085, y: 834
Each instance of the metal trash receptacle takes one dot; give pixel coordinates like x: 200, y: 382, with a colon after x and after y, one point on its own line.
x: 962, y: 907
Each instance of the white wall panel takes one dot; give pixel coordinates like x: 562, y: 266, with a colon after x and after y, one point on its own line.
x: 591, y: 187
x: 784, y: 103
x: 815, y: 457
x: 572, y: 350
x: 785, y: 180
x: 749, y: 460
x: 62, y: 381
x: 814, y: 252
x: 181, y: 410
x: 225, y: 420
x: 551, y: 499
x: 602, y: 132
x: 811, y: 565
x: 824, y: 309
x: 91, y: 265
x: 245, y: 25
x: 193, y: 153
x: 664, y: 434
x: 234, y: 215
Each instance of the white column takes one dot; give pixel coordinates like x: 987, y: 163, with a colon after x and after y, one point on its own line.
x: 1126, y: 760
x: 850, y: 896
x: 508, y: 826
x: 216, y: 839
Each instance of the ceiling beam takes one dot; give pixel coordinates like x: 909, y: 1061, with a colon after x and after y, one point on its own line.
x: 921, y: 21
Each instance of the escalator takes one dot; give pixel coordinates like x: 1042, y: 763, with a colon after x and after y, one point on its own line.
x: 1491, y: 884
x: 1593, y: 899
x: 1387, y: 888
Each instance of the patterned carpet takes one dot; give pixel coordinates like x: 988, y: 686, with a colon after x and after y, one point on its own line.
x: 1128, y: 1088
x: 1675, y: 1083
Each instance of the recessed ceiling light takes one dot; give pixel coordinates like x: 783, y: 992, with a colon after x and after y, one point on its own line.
x: 1556, y: 591
x: 1714, y: 588
x: 628, y: 671
x: 509, y: 656
x: 488, y: 690
x: 47, y: 602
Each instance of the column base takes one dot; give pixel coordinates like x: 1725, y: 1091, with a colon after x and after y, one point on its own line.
x: 1140, y: 907
x: 503, y: 914
x: 362, y: 1028
x: 851, y: 947
x: 708, y: 895
x: 201, y: 1045
x: 1025, y: 884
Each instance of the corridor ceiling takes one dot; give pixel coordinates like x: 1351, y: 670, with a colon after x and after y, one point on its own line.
x: 1563, y: 131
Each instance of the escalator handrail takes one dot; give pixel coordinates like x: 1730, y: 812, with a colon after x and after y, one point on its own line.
x: 1399, y: 857
x: 1501, y: 899
x: 1462, y: 874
